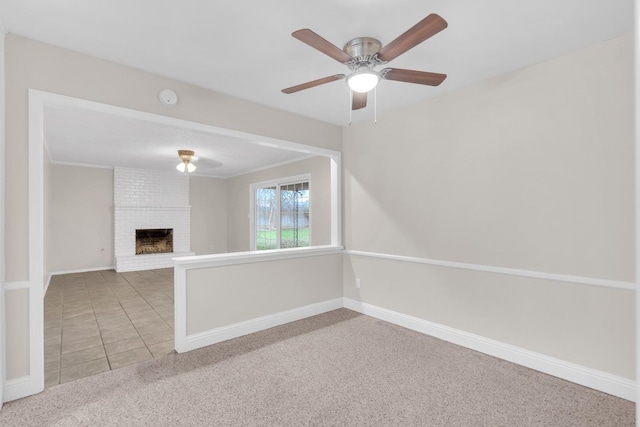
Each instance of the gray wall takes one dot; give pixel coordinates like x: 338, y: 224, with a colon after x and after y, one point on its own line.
x: 222, y: 296
x: 208, y: 200
x: 81, y: 216
x: 532, y: 170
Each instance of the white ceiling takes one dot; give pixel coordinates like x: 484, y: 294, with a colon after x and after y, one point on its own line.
x: 85, y: 137
x: 245, y: 48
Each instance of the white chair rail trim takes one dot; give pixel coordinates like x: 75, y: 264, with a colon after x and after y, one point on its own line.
x: 630, y: 286
x: 234, y: 258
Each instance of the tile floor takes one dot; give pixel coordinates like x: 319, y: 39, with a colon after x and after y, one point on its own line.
x: 104, y: 320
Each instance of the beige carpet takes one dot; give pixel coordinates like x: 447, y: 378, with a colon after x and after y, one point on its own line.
x: 337, y: 369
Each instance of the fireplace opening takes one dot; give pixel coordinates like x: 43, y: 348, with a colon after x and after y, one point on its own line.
x: 154, y: 241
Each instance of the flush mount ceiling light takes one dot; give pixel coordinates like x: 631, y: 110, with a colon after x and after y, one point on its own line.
x: 186, y: 165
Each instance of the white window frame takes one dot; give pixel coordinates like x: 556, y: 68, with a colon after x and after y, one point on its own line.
x: 275, y: 183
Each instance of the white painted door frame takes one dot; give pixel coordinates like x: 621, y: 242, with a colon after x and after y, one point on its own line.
x: 637, y: 196
x: 34, y: 382
x: 2, y: 205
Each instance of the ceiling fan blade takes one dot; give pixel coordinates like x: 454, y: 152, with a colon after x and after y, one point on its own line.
x: 359, y: 100
x: 415, y: 35
x: 315, y: 41
x: 411, y: 76
x: 313, y: 83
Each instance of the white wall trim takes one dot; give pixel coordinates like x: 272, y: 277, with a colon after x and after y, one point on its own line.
x: 17, y: 285
x: 80, y: 165
x: 180, y: 307
x: 282, y: 181
x: 602, y: 381
x: 336, y: 199
x: 47, y: 282
x: 69, y: 101
x: 36, y: 244
x: 3, y: 31
x: 261, y: 168
x: 217, y: 260
x: 502, y: 270
x: 34, y: 382
x: 84, y: 270
x: 17, y: 388
x: 153, y: 208
x: 636, y: 141
x: 224, y: 333
x: 37, y: 100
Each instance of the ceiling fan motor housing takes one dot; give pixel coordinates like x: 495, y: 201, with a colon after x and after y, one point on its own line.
x: 362, y: 48
x: 186, y: 155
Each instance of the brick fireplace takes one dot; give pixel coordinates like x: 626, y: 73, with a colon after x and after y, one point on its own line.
x: 155, y: 201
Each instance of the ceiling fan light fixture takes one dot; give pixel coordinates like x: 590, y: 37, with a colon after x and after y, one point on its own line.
x: 363, y: 80
x: 186, y: 165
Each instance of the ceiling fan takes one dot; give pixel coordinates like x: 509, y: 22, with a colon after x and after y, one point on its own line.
x: 187, y: 157
x: 363, y: 54
x: 188, y: 162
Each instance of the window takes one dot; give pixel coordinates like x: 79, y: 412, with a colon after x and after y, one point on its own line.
x: 280, y: 214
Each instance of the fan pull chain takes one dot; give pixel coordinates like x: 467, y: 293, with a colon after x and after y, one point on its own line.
x: 350, y: 106
x: 375, y: 105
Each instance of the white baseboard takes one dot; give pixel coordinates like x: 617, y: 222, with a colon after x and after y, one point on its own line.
x: 18, y: 388
x: 84, y: 270
x: 235, y: 330
x: 592, y: 378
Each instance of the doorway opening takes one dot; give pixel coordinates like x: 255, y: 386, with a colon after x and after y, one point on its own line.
x: 40, y: 277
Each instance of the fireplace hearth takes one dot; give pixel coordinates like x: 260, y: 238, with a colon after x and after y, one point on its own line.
x: 154, y: 241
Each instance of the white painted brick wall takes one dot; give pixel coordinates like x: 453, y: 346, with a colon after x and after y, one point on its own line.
x: 149, y: 199
x: 139, y: 187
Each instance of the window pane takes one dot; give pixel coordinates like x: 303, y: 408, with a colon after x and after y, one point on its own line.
x: 266, y: 218
x: 294, y: 215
